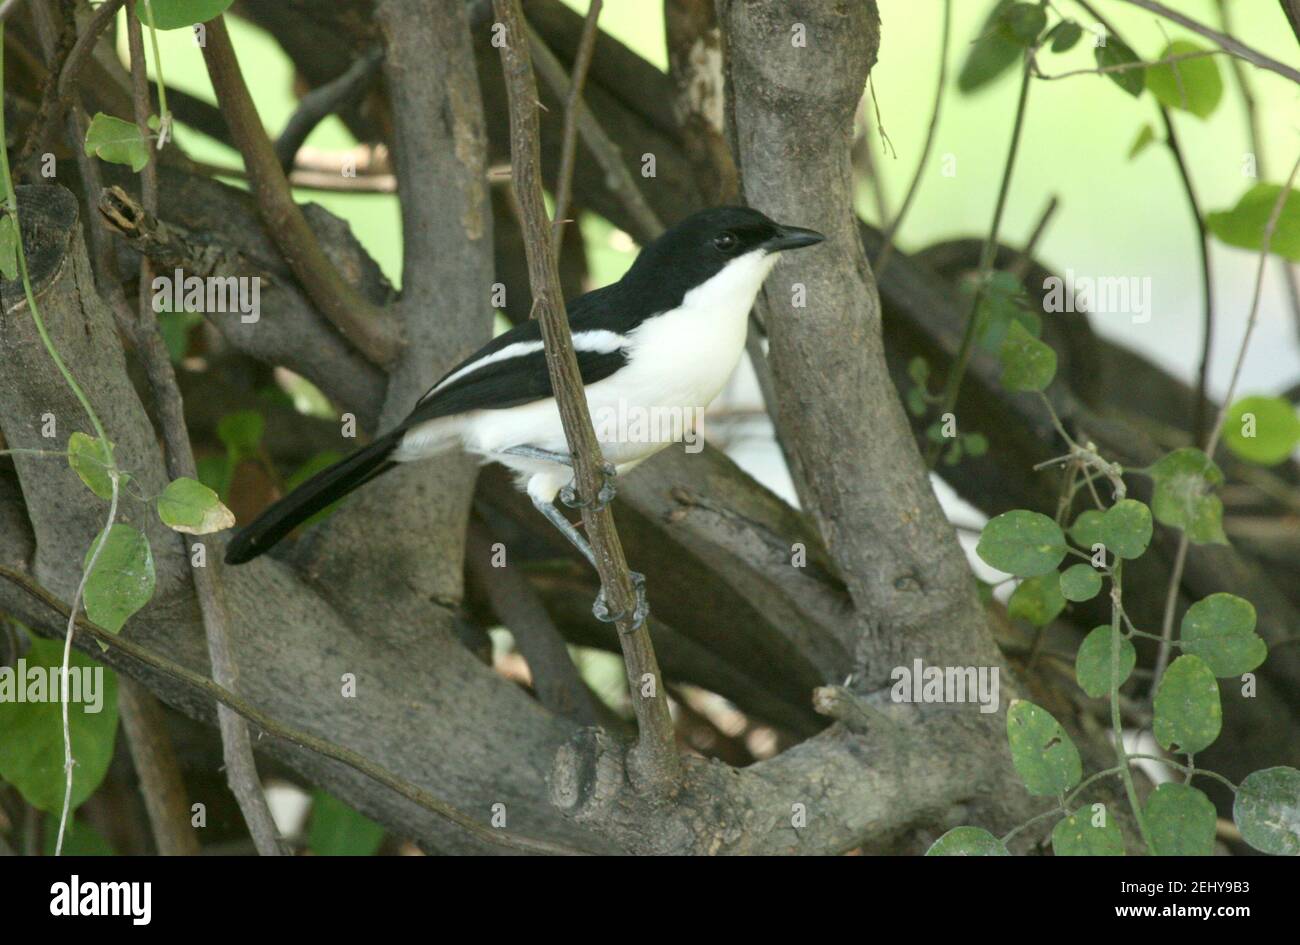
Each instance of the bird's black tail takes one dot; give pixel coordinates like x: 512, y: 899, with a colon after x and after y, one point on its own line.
x: 327, y: 486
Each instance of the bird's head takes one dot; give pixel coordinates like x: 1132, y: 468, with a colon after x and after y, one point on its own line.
x: 738, y: 241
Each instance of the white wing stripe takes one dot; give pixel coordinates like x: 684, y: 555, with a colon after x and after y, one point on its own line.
x: 599, y: 341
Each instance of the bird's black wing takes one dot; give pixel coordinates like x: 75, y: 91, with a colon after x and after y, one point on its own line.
x: 522, y: 378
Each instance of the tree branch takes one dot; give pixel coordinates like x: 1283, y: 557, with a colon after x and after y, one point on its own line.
x: 568, y: 144
x: 656, y: 753
x: 371, y: 330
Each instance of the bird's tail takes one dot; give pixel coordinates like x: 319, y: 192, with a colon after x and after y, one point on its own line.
x: 327, y: 486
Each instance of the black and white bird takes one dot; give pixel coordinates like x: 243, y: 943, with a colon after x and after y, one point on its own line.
x: 659, y: 343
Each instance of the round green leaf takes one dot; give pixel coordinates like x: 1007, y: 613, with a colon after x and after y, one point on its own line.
x: 1126, y: 528
x: 968, y: 841
x: 1092, y: 662
x: 1115, y: 53
x: 123, y: 579
x: 1037, y: 600
x: 31, y: 743
x: 1086, y: 530
x: 1021, y: 542
x: 90, y: 460
x: 1077, y: 835
x: 1003, y: 302
x: 1044, y: 756
x: 1027, y: 363
x: 990, y: 56
x: 1080, y: 582
x: 1021, y: 23
x: 1267, y: 811
x: 1263, y: 430
x: 1180, y: 821
x: 178, y: 14
x: 338, y: 830
x: 1193, y: 85
x: 977, y: 444
x: 116, y: 141
x: 1064, y: 35
x: 1244, y: 224
x: 918, y: 369
x: 1188, y: 715
x: 1183, y: 497
x: 191, y: 507
x: 1220, y: 629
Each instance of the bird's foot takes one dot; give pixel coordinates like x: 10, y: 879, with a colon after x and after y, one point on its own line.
x: 569, y: 495
x: 642, y: 610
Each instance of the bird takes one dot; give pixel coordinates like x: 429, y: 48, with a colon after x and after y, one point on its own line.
x: 653, y: 350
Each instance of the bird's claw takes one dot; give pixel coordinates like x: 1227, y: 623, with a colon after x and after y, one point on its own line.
x: 569, y: 495
x: 642, y: 610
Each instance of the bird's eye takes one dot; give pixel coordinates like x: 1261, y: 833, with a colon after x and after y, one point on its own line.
x: 726, y: 243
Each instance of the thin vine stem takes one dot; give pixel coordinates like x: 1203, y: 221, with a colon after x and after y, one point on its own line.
x: 164, y: 119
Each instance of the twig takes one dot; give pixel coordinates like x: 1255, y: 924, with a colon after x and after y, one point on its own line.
x: 1234, y: 46
x: 1176, y: 577
x: 201, y: 685
x: 368, y: 328
x: 568, y: 144
x: 618, y: 178
x: 655, y: 753
x: 952, y: 386
x: 882, y: 259
x: 237, y: 748
x: 323, y: 101
x: 155, y: 764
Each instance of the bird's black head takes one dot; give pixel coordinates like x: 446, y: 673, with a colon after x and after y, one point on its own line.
x: 699, y: 247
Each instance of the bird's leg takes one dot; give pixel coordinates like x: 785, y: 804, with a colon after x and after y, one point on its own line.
x: 568, y: 495
x: 599, y: 608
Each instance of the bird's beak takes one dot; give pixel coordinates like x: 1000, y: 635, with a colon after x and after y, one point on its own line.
x: 792, y: 237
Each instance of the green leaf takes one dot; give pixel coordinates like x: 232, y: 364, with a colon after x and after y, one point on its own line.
x: 1188, y: 715
x: 1021, y: 542
x: 8, y: 247
x: 1021, y: 23
x: 116, y: 141
x: 31, y: 749
x: 1080, y: 582
x: 1064, y: 36
x: 918, y: 369
x: 991, y: 55
x: 1267, y: 811
x: 215, y: 472
x: 1087, y: 529
x: 1220, y: 629
x: 1002, y: 303
x: 1076, y: 836
x: 1183, y: 496
x: 916, y: 402
x: 1116, y: 53
x: 1126, y: 528
x: 1263, y: 430
x: 338, y: 830
x: 1193, y: 85
x: 1180, y: 821
x: 1245, y: 223
x: 191, y: 507
x: 90, y: 458
x: 1044, y: 756
x: 1092, y: 662
x: 123, y: 579
x: 1027, y: 363
x: 1037, y: 600
x: 175, y: 330
x: 977, y: 444
x: 177, y: 14
x: 968, y: 841
x: 1145, y: 137
x: 80, y: 840
x: 242, y: 431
